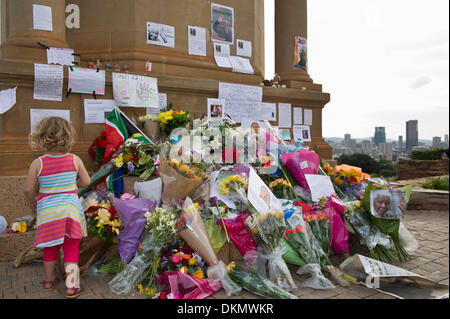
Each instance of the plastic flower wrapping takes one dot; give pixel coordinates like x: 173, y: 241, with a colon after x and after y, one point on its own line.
x: 267, y: 230
x: 192, y: 230
x: 254, y: 282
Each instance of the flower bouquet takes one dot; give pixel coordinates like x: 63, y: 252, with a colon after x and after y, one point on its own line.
x: 178, y: 285
x: 192, y: 230
x: 239, y: 234
x: 21, y: 225
x: 252, y: 281
x: 302, y: 239
x: 185, y: 260
x: 136, y: 158
x: 161, y: 227
x: 267, y: 230
x: 97, y: 149
x: 150, y: 126
x: 171, y: 119
x: 388, y: 226
x: 179, y: 179
x: 103, y: 221
x: 281, y: 188
x: 229, y: 185
x: 212, y: 216
x: 349, y: 180
x: 372, y: 237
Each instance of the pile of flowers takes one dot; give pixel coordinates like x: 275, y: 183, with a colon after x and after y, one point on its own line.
x: 103, y: 221
x: 97, y: 149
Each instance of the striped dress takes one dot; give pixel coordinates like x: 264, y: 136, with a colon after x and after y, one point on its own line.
x: 59, y: 213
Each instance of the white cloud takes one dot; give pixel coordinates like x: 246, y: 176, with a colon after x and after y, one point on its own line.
x: 420, y: 82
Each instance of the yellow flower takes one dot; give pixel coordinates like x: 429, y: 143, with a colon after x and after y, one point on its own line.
x: 22, y: 227
x: 230, y: 266
x: 192, y: 261
x: 199, y: 274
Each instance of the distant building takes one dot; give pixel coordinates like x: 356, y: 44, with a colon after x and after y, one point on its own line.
x: 380, y: 135
x: 446, y: 138
x: 385, y: 150
x: 437, y: 141
x: 412, y: 135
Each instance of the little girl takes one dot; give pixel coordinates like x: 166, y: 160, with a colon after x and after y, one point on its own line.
x: 60, y: 218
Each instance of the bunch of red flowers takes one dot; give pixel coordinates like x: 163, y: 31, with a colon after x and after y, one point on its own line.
x: 97, y: 148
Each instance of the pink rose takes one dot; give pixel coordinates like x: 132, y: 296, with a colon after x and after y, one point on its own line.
x: 127, y: 196
x: 176, y: 259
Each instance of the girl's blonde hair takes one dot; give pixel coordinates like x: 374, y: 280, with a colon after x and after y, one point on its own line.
x: 53, y: 134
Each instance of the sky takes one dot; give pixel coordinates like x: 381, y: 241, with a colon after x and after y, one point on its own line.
x: 384, y: 62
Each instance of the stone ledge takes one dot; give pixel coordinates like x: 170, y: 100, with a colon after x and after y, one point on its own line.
x: 11, y: 245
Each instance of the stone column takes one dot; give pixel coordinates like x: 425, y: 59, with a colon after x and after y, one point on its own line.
x: 20, y: 42
x: 290, y: 21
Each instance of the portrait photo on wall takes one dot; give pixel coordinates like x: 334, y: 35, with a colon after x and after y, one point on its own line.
x: 222, y: 23
x: 388, y: 204
x: 216, y: 108
x: 300, y: 54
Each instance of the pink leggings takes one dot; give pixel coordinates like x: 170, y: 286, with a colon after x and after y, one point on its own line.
x: 71, y: 251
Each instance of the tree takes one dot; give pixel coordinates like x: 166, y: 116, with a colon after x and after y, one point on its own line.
x: 367, y: 163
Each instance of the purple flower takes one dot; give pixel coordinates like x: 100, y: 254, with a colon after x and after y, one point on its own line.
x: 130, y: 167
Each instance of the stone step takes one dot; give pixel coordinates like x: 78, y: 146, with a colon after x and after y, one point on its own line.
x: 11, y: 245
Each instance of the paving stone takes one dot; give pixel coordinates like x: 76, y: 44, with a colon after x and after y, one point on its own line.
x: 431, y: 260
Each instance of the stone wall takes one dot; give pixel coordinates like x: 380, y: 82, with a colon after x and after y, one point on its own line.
x: 410, y: 169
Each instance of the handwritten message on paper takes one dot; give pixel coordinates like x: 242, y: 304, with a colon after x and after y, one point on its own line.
x: 135, y: 90
x: 284, y: 115
x: 60, y: 56
x: 48, y: 82
x: 242, y: 100
x: 82, y: 80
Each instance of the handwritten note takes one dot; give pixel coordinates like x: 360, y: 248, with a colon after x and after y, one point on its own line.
x: 241, y: 65
x: 320, y: 186
x: 42, y: 18
x: 95, y: 111
x: 82, y: 80
x: 267, y: 112
x: 222, y: 55
x: 38, y: 114
x: 298, y: 116
x: 60, y: 56
x: 308, y: 117
x: 241, y: 100
x: 48, y: 82
x: 284, y: 115
x: 7, y: 99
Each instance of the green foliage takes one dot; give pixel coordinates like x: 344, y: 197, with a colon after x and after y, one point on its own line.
x: 428, y: 154
x: 437, y: 183
x: 367, y: 163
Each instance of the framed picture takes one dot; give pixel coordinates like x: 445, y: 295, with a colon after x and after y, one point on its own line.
x: 216, y: 108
